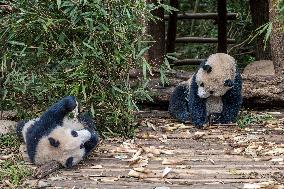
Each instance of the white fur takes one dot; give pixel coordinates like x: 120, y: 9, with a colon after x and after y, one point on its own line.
x: 26, y: 126
x: 69, y: 146
x: 214, y: 105
x: 202, y: 93
x: 72, y: 124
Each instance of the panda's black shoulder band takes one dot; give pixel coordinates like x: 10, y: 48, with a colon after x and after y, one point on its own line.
x: 228, y: 83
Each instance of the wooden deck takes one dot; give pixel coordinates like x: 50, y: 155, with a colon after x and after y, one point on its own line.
x: 166, y: 154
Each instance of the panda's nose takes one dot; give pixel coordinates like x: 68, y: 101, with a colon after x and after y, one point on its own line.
x: 211, y: 92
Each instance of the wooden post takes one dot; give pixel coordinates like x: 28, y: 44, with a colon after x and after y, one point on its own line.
x: 260, y: 15
x: 157, y: 30
x: 172, y: 28
x: 222, y: 26
x: 276, y: 39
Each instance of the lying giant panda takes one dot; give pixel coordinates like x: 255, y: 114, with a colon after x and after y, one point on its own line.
x: 54, y: 136
x: 213, y: 91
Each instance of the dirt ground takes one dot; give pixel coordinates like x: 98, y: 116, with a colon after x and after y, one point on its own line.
x: 166, y: 154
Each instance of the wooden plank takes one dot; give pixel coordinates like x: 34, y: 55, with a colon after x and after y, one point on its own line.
x: 204, y: 162
x: 150, y: 182
x: 230, y: 16
x: 187, y: 62
x: 205, y: 40
x: 141, y: 185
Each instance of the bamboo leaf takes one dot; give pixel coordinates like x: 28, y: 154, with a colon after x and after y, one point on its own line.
x: 142, y: 52
x: 58, y: 4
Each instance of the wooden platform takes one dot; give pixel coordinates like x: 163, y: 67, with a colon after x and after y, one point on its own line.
x: 166, y: 154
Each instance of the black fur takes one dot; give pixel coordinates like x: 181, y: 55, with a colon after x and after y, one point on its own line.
x: 19, y: 128
x: 91, y: 144
x: 232, y: 102
x: 228, y: 83
x: 69, y: 162
x: 178, y: 104
x: 53, y: 142
x: 197, y: 105
x: 74, y: 133
x: 53, y: 118
x: 47, y: 122
x: 86, y: 120
x: 186, y: 106
x: 207, y: 68
x: 90, y: 124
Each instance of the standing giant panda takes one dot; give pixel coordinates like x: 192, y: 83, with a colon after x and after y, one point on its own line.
x: 213, y: 91
x: 53, y: 136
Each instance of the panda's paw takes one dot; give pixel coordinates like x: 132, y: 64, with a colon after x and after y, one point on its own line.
x: 206, y: 125
x: 201, y: 125
x: 70, y: 103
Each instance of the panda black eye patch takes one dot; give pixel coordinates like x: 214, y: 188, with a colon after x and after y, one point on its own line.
x: 74, y: 133
x: 207, y: 68
x: 202, y: 84
x: 53, y: 142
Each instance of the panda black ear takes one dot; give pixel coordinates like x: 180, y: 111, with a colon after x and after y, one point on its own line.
x: 228, y: 83
x: 53, y: 142
x: 207, y: 68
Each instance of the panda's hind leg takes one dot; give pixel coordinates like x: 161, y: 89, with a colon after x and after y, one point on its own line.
x: 178, y: 105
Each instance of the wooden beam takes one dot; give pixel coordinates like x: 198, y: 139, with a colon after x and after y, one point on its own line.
x: 230, y: 16
x: 201, y: 40
x: 187, y: 62
x: 172, y: 28
x: 222, y: 26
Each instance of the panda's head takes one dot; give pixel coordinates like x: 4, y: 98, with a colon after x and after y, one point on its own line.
x: 67, y: 139
x: 65, y: 145
x: 216, y: 76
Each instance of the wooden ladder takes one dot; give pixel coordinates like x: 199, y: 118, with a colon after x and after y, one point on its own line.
x: 220, y: 17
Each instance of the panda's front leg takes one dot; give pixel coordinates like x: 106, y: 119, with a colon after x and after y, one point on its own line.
x: 232, y: 102
x: 197, y: 107
x: 198, y: 113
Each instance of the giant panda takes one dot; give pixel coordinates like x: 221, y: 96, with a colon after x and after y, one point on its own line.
x: 213, y: 93
x: 54, y: 136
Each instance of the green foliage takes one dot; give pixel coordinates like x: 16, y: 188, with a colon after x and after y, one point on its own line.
x: 265, y: 30
x: 248, y: 118
x: 14, y: 172
x: 281, y: 9
x: 84, y: 48
x: 9, y: 141
x: 12, y: 168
